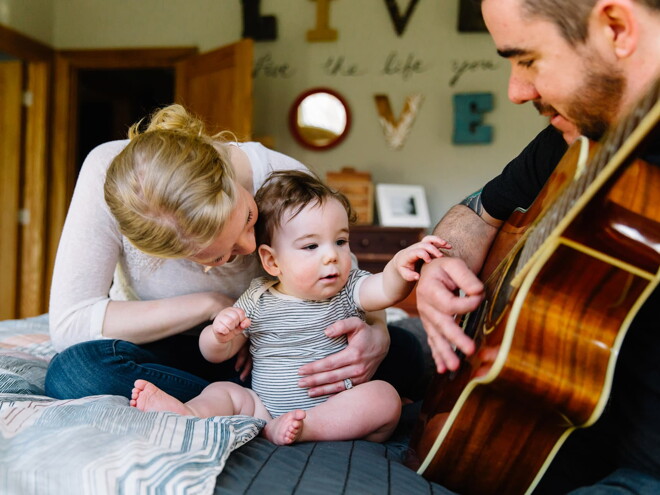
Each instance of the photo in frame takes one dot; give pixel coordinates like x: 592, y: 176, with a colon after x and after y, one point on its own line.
x: 402, y: 205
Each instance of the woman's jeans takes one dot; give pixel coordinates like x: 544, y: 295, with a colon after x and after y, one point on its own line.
x: 176, y: 366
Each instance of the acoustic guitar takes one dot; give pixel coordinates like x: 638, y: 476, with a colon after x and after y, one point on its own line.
x: 563, y: 280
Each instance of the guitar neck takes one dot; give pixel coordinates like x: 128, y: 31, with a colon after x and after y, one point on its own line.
x: 618, y: 146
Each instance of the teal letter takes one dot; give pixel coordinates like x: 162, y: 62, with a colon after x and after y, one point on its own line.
x: 468, y: 117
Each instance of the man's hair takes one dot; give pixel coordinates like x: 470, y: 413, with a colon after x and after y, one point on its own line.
x: 571, y: 16
x: 289, y: 192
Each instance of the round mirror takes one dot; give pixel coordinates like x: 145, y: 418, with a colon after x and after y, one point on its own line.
x: 319, y: 119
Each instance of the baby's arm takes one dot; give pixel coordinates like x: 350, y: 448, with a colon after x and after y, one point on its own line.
x: 397, y: 279
x: 223, y: 339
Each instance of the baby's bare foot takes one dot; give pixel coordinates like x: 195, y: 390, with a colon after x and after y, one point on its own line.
x: 148, y: 397
x: 285, y: 429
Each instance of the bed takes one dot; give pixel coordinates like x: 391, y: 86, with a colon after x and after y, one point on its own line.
x: 100, y: 445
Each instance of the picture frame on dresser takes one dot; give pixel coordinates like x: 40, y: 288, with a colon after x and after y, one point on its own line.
x: 402, y: 205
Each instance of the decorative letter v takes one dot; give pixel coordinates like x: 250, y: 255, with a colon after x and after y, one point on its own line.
x: 400, y: 22
x: 396, y: 131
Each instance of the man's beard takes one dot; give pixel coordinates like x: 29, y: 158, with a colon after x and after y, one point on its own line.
x: 595, y: 105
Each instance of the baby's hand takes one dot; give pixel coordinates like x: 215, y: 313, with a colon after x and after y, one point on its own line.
x: 425, y: 250
x: 229, y: 323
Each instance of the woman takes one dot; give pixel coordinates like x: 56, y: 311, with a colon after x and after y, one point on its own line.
x: 158, y: 239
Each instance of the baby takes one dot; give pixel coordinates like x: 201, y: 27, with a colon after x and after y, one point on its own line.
x: 303, y: 236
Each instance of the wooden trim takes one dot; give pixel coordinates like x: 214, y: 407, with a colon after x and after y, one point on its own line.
x: 32, y: 289
x: 20, y: 46
x: 126, y: 57
x: 61, y: 176
x: 245, y: 56
x: 11, y: 84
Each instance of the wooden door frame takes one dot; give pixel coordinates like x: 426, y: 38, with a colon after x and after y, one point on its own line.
x: 29, y: 284
x: 67, y: 65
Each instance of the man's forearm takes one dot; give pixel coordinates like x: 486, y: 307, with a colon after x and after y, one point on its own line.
x: 469, y: 234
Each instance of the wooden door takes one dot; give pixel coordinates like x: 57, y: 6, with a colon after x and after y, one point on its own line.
x: 24, y: 113
x: 33, y: 230
x: 11, y: 94
x: 23, y: 169
x: 217, y: 86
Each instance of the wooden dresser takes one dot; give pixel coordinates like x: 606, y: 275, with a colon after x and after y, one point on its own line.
x: 374, y: 246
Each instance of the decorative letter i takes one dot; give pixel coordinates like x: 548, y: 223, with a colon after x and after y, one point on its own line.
x: 322, y: 31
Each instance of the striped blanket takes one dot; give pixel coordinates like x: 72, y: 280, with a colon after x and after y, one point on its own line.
x: 98, y: 445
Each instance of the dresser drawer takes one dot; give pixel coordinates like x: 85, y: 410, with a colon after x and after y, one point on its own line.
x: 374, y: 246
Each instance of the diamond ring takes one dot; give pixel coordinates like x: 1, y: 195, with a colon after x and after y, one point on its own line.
x: 348, y: 383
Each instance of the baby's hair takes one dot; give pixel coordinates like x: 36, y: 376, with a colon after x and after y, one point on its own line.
x: 172, y: 188
x: 289, y: 191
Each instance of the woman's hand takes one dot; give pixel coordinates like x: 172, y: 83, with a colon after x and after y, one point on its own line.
x: 367, y: 347
x: 243, y: 362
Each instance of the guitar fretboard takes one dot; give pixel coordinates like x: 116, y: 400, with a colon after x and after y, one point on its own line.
x: 610, y: 146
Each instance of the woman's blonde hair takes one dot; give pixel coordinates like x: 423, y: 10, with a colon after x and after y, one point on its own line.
x: 173, y: 187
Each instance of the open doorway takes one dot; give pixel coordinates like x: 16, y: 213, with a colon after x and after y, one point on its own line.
x: 111, y: 100
x: 216, y: 85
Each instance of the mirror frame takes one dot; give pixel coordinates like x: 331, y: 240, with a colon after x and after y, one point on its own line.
x: 293, y: 119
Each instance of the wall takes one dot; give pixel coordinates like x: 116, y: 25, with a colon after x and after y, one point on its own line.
x: 33, y: 18
x: 290, y: 65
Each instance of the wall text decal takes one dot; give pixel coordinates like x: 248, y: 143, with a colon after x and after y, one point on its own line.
x: 395, y: 65
x: 459, y: 68
x: 255, y: 26
x: 400, y: 21
x: 337, y: 66
x: 396, y: 130
x: 343, y: 66
x: 265, y: 66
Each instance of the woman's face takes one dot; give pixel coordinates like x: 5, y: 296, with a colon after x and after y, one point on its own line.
x: 236, y: 237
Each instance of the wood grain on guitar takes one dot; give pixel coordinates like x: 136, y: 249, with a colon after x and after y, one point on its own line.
x: 563, y: 282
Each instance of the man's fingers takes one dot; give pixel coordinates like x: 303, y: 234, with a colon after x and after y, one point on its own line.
x: 444, y: 336
x: 463, y: 277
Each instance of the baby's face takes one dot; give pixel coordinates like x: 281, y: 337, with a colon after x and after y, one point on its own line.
x: 312, y: 251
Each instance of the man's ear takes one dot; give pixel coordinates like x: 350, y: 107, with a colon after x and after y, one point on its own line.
x: 616, y: 19
x: 268, y: 260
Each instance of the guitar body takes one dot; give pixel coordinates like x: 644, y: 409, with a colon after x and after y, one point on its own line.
x: 554, y: 322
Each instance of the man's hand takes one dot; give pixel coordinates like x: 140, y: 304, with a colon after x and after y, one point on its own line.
x: 367, y: 347
x: 438, y: 304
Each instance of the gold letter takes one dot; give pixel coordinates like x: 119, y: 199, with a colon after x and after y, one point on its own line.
x: 322, y: 32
